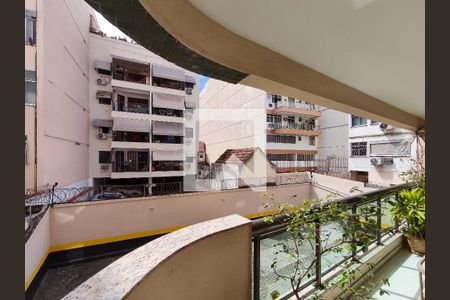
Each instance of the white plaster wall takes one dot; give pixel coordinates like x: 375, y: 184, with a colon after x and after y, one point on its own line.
x: 334, y: 134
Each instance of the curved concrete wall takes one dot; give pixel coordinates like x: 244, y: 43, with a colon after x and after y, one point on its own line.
x: 209, y: 260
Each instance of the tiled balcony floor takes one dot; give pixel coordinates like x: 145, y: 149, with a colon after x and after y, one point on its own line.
x: 403, y: 277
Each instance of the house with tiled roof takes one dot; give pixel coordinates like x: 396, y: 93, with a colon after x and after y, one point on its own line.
x: 245, y: 163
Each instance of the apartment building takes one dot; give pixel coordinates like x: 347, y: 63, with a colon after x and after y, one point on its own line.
x: 378, y: 152
x: 56, y: 93
x: 142, y: 124
x: 238, y: 116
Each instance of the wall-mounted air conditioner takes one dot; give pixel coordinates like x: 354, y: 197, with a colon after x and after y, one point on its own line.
x: 103, y: 80
x: 388, y: 160
x: 384, y: 126
x: 102, y: 136
x: 376, y: 161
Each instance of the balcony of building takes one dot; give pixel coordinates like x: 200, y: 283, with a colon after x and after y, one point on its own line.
x: 283, y: 105
x: 131, y: 104
x: 168, y: 163
x: 130, y: 71
x: 167, y: 107
x: 171, y: 80
x: 130, y: 163
x: 292, y: 128
x: 246, y: 249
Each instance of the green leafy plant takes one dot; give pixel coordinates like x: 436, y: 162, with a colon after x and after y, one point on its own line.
x: 322, y: 228
x: 409, y: 207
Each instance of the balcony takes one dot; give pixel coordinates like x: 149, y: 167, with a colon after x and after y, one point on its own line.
x: 293, y: 129
x: 167, y: 139
x: 130, y: 163
x: 129, y: 71
x: 187, y: 253
x: 167, y: 166
x: 296, y: 108
x: 132, y: 105
x: 167, y: 112
x: 295, y: 166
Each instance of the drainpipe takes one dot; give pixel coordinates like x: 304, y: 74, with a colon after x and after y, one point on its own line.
x: 35, y: 116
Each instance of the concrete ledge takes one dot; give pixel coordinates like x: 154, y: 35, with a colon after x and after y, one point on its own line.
x: 182, y: 265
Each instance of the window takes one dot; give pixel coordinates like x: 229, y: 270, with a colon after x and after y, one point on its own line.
x: 358, y: 121
x: 291, y: 120
x: 372, y: 122
x: 312, y: 140
x: 105, y: 130
x: 104, y: 157
x: 189, y: 132
x: 359, y: 149
x: 277, y: 119
x: 281, y: 157
x: 284, y: 139
x: 26, y: 150
x: 30, y: 27
x: 269, y: 118
x: 30, y: 87
x: 299, y: 138
x: 391, y: 148
x: 276, y: 98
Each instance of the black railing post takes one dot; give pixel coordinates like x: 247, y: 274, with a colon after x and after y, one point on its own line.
x: 396, y: 225
x: 318, y: 254
x: 256, y: 266
x: 354, y: 221
x: 379, y: 221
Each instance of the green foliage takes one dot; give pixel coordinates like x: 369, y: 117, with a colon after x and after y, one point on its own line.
x: 275, y: 295
x: 409, y: 207
x: 340, y: 231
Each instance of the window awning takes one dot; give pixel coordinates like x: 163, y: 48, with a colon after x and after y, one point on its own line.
x: 104, y: 94
x: 168, y: 155
x: 131, y: 92
x: 131, y: 125
x: 168, y: 73
x: 168, y: 101
x: 102, y: 123
x: 102, y: 65
x: 190, y: 79
x: 168, y: 128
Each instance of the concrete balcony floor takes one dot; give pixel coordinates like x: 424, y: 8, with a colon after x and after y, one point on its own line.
x: 401, y: 270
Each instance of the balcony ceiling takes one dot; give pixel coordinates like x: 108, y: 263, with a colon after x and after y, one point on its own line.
x: 365, y: 57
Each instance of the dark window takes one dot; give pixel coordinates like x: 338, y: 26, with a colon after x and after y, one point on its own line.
x: 299, y: 137
x: 104, y: 72
x: 104, y: 157
x: 30, y: 27
x: 103, y: 100
x: 312, y: 140
x: 269, y: 118
x: 284, y: 139
x: 189, y: 132
x: 358, y: 121
x: 359, y: 149
x: 30, y: 87
x: 105, y: 130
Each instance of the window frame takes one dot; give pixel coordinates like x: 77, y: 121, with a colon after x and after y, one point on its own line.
x: 30, y: 16
x: 359, y: 151
x: 353, y: 117
x: 102, y: 161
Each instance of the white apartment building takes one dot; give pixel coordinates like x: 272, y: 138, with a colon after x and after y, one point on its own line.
x: 238, y: 116
x: 143, y: 125
x: 378, y: 152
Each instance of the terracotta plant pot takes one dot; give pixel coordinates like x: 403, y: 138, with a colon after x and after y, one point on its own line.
x: 417, y: 244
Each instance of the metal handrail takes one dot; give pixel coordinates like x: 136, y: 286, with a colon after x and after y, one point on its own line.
x: 262, y: 229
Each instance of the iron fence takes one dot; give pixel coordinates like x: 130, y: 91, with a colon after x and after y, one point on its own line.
x: 266, y: 235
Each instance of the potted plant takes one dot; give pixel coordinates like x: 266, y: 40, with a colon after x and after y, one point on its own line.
x: 409, y: 207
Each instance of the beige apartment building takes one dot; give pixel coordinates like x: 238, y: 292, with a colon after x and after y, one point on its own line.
x: 56, y: 93
x: 237, y: 116
x: 100, y: 110
x: 143, y: 125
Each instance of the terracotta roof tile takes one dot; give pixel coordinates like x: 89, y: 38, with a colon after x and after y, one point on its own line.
x: 236, y: 156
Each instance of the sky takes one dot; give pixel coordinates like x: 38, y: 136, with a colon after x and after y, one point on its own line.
x: 112, y: 30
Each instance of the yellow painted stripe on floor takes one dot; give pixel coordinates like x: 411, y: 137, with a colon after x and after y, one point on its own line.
x: 112, y: 239
x: 36, y: 270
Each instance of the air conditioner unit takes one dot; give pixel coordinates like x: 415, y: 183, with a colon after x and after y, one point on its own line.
x: 103, y: 80
x: 102, y: 136
x: 189, y: 91
x: 104, y: 167
x: 376, y: 161
x: 270, y: 105
x: 384, y: 126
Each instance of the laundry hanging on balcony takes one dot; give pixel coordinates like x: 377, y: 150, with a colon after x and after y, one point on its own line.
x: 161, y: 100
x: 168, y: 73
x: 168, y: 155
x: 131, y: 125
x: 168, y: 128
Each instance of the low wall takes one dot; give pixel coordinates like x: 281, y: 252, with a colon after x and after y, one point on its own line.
x: 36, y: 248
x: 83, y: 224
x: 209, y: 260
x: 338, y: 184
